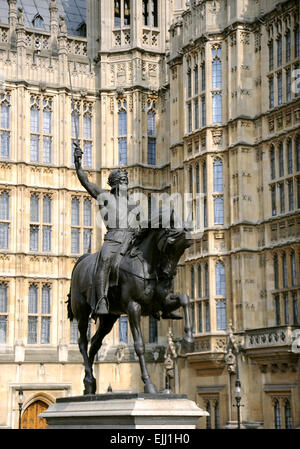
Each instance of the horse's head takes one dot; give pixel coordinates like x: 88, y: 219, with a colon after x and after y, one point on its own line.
x: 172, y: 243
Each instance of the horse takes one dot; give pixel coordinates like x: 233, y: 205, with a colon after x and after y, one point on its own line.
x: 144, y: 288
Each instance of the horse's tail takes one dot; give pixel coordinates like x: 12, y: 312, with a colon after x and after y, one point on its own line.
x: 68, y: 302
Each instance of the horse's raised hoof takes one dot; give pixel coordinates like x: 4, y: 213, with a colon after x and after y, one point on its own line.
x: 150, y: 388
x: 187, y: 344
x: 90, y: 387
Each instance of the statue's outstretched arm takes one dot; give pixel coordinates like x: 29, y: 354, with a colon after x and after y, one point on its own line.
x: 92, y: 188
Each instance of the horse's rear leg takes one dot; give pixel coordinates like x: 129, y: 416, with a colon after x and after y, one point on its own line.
x: 89, y: 380
x: 134, y: 313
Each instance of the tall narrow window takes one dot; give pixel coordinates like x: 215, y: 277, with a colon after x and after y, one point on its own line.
x: 190, y: 120
x: 123, y: 329
x: 221, y: 314
x: 288, y: 415
x: 218, y: 176
x: 189, y: 83
x: 122, y: 132
x: 47, y: 230
x: 5, y: 126
x: 217, y: 414
x: 206, y: 280
x: 272, y: 162
x: 288, y: 46
x: 145, y: 12
x: 200, y: 319
x: 191, y: 179
x: 298, y: 193
x: 87, y: 223
x: 126, y: 12
x: 293, y: 268
x: 271, y: 55
x: 152, y: 330
x: 199, y: 281
x: 192, y: 283
x: 290, y: 156
x: 276, y: 272
x: 216, y: 69
x: 286, y: 308
x: 281, y: 159
x: 220, y: 279
x: 117, y: 13
x: 217, y: 107
x: 298, y: 152
x: 196, y: 83
x: 45, y: 315
x: 3, y: 313
x: 73, y: 332
x: 219, y: 210
x: 281, y: 197
x: 203, y: 110
x: 288, y: 85
x: 4, y: 220
x: 291, y: 194
x: 75, y: 222
x: 277, y: 310
x: 279, y: 88
x: 271, y: 92
x: 295, y: 308
x: 203, y: 79
x: 34, y: 222
x: 277, y: 415
x: 32, y: 314
x: 284, y: 271
x: 154, y: 13
x: 197, y: 175
x: 273, y: 200
x: 279, y: 51
x: 151, y: 136
x: 207, y: 317
x: 196, y: 113
x: 297, y: 41
x: 208, y: 417
x: 87, y: 139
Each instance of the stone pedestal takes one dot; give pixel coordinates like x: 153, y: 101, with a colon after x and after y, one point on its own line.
x: 124, y: 411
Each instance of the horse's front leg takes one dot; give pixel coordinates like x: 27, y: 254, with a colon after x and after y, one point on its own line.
x: 187, y: 342
x: 134, y: 314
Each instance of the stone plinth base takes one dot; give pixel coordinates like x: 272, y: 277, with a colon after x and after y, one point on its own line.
x: 123, y: 411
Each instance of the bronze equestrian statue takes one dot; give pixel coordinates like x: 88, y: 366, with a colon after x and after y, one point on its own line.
x: 132, y: 274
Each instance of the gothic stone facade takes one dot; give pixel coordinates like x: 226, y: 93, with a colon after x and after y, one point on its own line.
x: 198, y: 98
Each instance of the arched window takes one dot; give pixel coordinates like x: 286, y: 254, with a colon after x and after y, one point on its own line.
x: 272, y: 162
x: 220, y: 279
x: 276, y: 273
x: 5, y: 126
x: 151, y: 122
x: 34, y: 208
x: 206, y: 280
x: 288, y: 46
x: 271, y: 55
x: 290, y: 156
x: 4, y: 206
x: 45, y: 315
x: 288, y: 415
x: 293, y: 268
x: 122, y: 133
x: 3, y: 313
x: 216, y: 69
x: 279, y: 51
x: 75, y: 212
x: 117, y: 13
x: 217, y: 107
x: 277, y: 415
x: 38, y: 21
x: 87, y: 212
x: 47, y: 209
x: 297, y: 41
x: 218, y: 175
x: 199, y: 281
